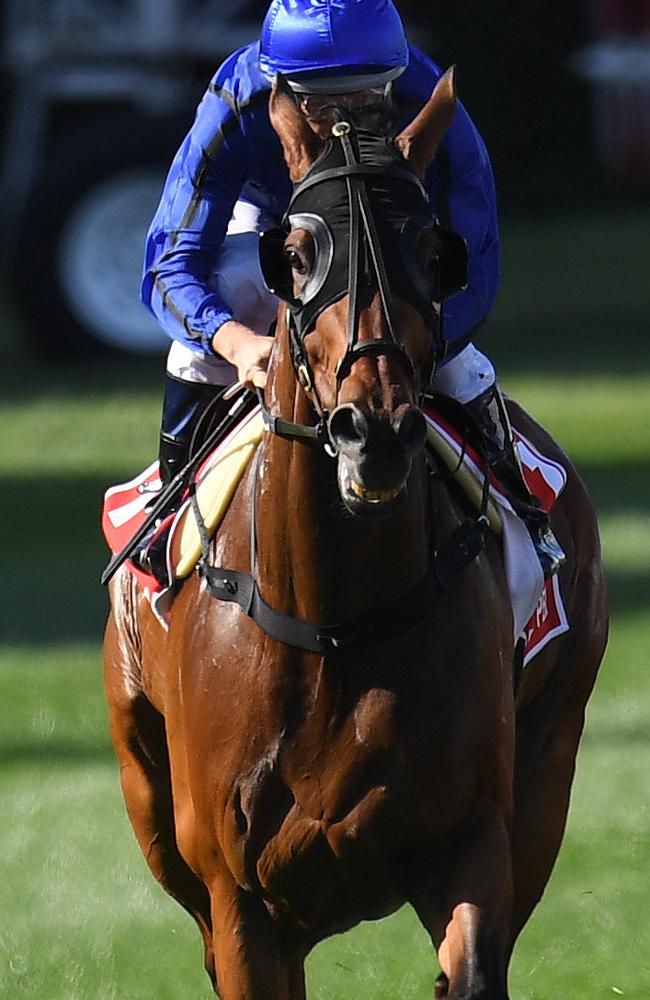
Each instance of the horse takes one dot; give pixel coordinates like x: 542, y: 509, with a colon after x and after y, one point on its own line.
x: 330, y: 726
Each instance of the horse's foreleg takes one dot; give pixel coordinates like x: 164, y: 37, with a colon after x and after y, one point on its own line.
x: 253, y: 962
x: 467, y: 913
x: 138, y: 735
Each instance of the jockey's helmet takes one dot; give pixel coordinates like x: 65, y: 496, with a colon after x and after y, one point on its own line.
x: 333, y: 46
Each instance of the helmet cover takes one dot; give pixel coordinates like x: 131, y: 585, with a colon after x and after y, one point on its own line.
x: 317, y: 44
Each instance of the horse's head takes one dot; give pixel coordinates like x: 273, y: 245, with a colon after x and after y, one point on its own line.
x: 361, y: 261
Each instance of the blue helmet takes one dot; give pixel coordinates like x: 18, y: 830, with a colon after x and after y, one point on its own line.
x: 333, y: 45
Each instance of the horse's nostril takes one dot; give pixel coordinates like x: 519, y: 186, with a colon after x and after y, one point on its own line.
x: 411, y: 428
x: 348, y: 425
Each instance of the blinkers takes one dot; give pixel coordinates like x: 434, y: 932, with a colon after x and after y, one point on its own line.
x: 421, y: 280
x: 371, y: 224
x: 443, y: 275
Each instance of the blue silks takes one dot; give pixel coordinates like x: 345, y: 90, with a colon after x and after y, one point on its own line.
x: 232, y: 152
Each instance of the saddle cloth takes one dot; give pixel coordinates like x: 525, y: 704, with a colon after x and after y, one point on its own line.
x: 538, y: 609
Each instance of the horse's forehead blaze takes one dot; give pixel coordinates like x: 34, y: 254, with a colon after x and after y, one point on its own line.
x: 330, y: 332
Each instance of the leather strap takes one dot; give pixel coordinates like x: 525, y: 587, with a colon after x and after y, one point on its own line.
x: 379, y: 625
x: 357, y: 169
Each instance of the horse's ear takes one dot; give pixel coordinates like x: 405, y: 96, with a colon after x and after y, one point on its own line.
x: 419, y: 141
x: 301, y: 145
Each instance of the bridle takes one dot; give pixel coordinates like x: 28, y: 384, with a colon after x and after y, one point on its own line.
x: 352, y: 161
x: 346, y: 162
x: 363, y: 235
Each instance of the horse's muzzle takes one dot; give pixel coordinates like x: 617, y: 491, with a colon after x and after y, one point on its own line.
x: 375, y: 451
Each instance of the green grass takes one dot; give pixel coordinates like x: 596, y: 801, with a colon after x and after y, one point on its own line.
x: 82, y: 917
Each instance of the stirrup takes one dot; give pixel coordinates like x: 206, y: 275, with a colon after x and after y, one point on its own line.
x: 153, y: 494
x: 549, y: 552
x: 150, y: 555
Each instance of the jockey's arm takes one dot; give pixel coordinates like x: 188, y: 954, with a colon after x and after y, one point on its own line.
x: 462, y: 189
x: 186, y: 237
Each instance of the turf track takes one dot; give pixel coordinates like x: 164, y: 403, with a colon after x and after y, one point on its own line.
x: 82, y: 918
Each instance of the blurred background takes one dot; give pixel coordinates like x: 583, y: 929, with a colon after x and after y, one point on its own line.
x: 96, y: 95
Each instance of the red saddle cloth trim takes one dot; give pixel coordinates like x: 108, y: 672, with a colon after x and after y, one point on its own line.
x: 549, y: 619
x: 544, y: 476
x: 124, y: 512
x: 124, y: 507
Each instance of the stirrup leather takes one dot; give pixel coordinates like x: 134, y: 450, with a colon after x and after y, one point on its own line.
x: 491, y: 416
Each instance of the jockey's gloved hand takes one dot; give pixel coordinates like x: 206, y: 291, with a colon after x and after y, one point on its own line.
x: 248, y: 351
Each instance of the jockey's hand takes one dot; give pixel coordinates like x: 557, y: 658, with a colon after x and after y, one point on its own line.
x: 248, y: 351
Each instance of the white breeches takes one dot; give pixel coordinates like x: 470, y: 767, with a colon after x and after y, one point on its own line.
x: 466, y: 375
x: 238, y: 279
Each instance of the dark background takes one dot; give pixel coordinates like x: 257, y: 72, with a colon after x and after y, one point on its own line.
x: 517, y: 77
x: 560, y: 137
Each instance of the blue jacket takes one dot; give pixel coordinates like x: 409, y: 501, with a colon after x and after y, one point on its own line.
x: 232, y: 152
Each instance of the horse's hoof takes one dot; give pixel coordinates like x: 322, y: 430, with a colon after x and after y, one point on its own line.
x: 441, y: 987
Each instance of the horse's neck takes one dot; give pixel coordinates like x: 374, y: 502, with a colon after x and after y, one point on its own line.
x: 315, y: 559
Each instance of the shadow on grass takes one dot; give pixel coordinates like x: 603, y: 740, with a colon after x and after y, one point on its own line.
x: 610, y: 346
x: 64, y: 753
x: 617, y: 486
x: 54, y: 753
x: 629, y: 590
x: 534, y: 330
x: 603, y: 345
x: 52, y: 560
x: 613, y: 735
x: 81, y: 379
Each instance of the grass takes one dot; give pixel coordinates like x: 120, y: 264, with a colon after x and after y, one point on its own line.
x: 83, y: 919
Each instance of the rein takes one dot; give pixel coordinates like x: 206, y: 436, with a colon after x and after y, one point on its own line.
x: 361, y: 215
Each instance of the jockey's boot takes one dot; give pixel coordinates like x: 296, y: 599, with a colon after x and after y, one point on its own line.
x: 184, y: 406
x: 489, y: 412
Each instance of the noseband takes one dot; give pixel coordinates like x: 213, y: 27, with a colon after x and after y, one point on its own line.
x: 333, y: 203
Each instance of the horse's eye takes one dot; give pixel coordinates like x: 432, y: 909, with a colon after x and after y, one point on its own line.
x: 428, y: 250
x: 294, y: 260
x: 433, y: 263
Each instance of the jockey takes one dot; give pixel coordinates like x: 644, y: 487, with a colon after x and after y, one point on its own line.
x: 229, y: 182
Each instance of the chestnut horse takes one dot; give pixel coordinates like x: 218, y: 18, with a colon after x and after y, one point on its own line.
x: 286, y: 780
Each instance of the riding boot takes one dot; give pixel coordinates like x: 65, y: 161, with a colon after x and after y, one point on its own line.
x: 489, y: 412
x: 184, y: 406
